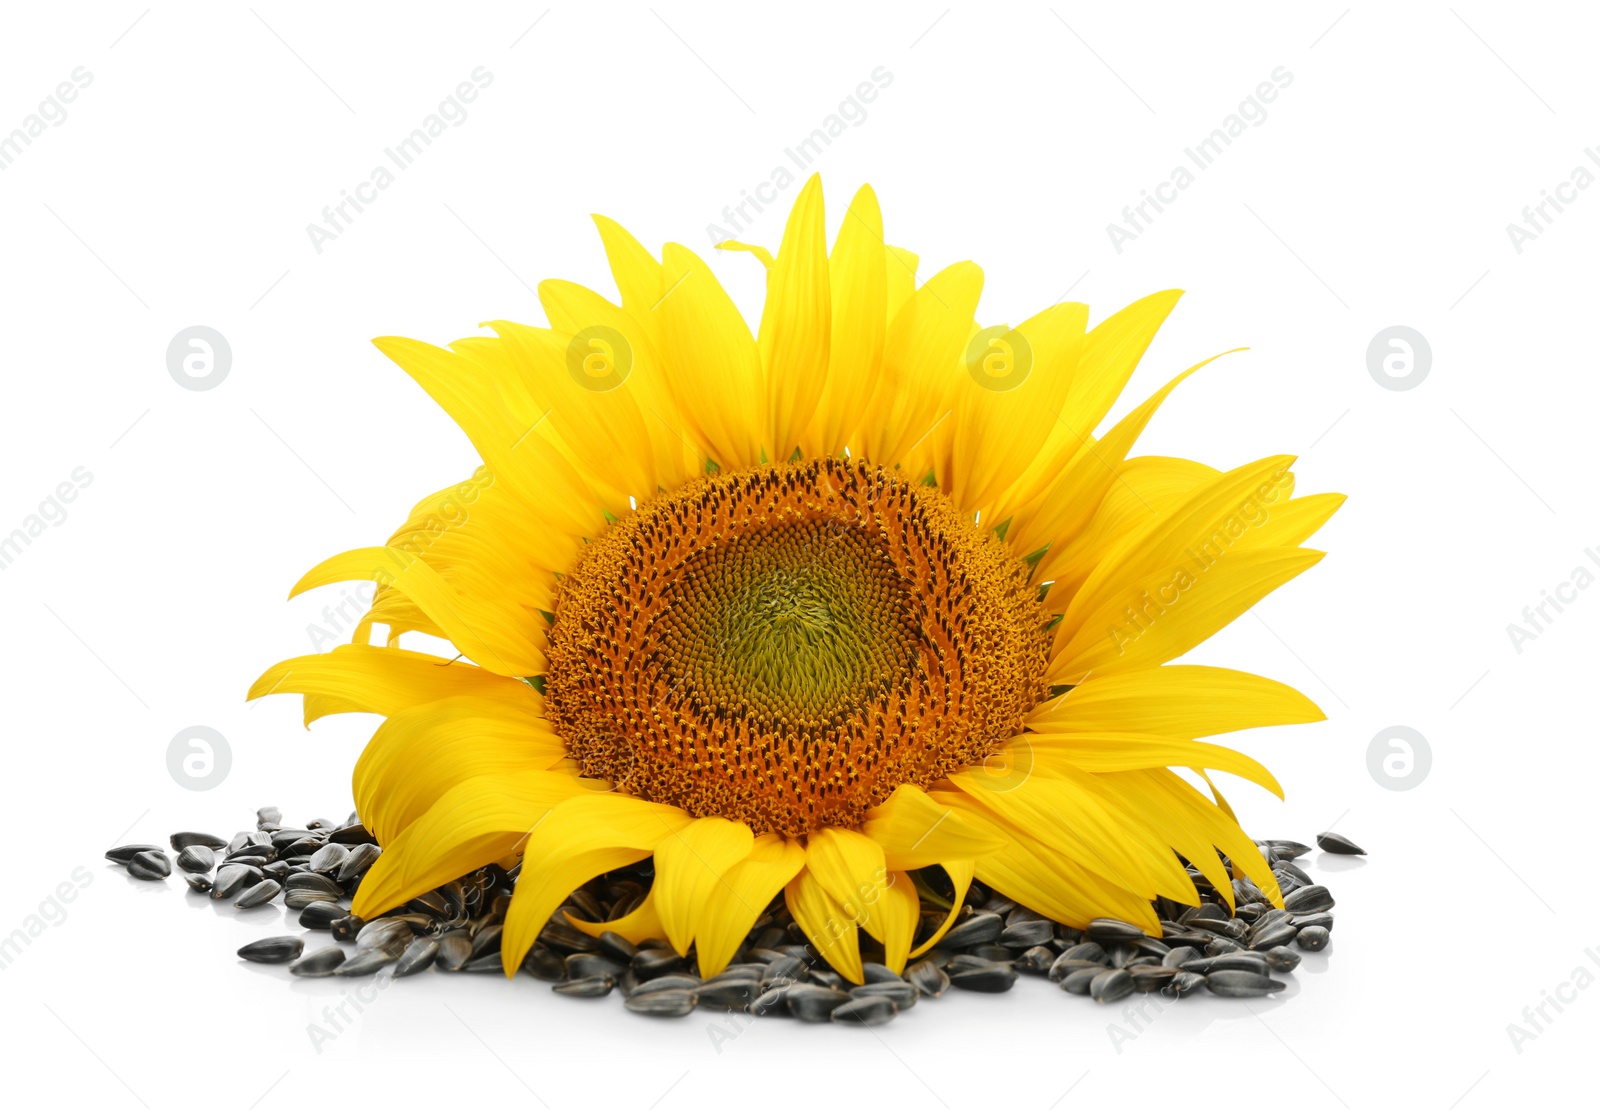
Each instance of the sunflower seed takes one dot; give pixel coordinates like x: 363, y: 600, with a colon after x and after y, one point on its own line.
x: 1151, y: 977
x: 897, y: 991
x: 324, y: 961
x: 980, y: 928
x: 782, y: 969
x: 617, y: 947
x: 561, y: 935
x: 321, y: 915
x: 259, y: 894
x: 1336, y: 844
x: 1288, y: 872
x: 1183, y: 984
x: 1088, y: 950
x: 662, y: 1003
x: 1241, y: 984
x: 1232, y: 927
x: 991, y: 979
x: 593, y: 987
x: 1272, y: 935
x: 355, y: 863
x: 488, y: 940
x: 1283, y: 958
x: 329, y: 857
x: 124, y: 855
x: 418, y: 956
x: 1027, y: 934
x: 668, y: 983
x: 871, y: 1011
x: 1286, y: 848
x: 199, y: 883
x: 728, y: 994
x: 1313, y: 938
x: 1109, y: 986
x: 1077, y: 982
x: 810, y: 1003
x: 152, y: 866
x: 1180, y: 956
x: 386, y: 934
x: 352, y: 834
x: 1035, y: 961
x: 651, y: 962
x: 273, y: 950
x: 1109, y: 930
x: 231, y: 878
x: 1222, y: 946
x: 305, y: 845
x: 1301, y: 920
x: 347, y: 927
x: 773, y: 1000
x: 365, y: 962
x: 1308, y: 899
x: 196, y: 858
x: 928, y: 978
x: 182, y: 839
x: 1253, y: 962
x: 456, y: 949
x: 752, y: 972
x: 321, y: 823
x: 581, y: 965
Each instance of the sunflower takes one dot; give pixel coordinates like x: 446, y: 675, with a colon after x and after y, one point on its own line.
x: 856, y: 609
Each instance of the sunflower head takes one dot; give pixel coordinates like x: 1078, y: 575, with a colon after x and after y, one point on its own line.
x: 812, y: 610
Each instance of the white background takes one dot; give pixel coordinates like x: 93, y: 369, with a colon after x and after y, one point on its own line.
x: 1377, y: 192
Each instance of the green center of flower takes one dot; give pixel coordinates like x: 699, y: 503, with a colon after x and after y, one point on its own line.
x: 795, y: 625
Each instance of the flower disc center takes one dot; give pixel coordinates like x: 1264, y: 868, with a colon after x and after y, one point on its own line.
x: 785, y: 645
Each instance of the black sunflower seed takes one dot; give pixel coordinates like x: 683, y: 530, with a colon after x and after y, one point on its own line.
x: 149, y: 865
x: 593, y: 987
x: 664, y: 1003
x: 324, y: 961
x: 1111, y: 985
x: 871, y: 1011
x: 123, y: 855
x: 810, y: 1003
x: 259, y: 894
x: 1336, y: 844
x: 273, y: 950
x: 418, y: 956
x: 182, y: 839
x: 1241, y: 984
x: 1313, y: 938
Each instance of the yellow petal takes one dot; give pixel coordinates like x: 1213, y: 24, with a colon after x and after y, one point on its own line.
x: 689, y: 862
x: 419, y: 753
x: 739, y: 897
x: 915, y: 831
x: 640, y: 923
x: 796, y: 324
x: 1175, y: 700
x: 858, y: 288
x: 572, y: 844
x: 1009, y: 402
x: 850, y: 867
x: 479, y: 821
x: 1113, y: 752
x: 901, y: 908
x: 711, y: 358
x: 826, y: 925
x: 960, y: 872
x: 921, y: 359
x: 499, y: 640
x: 383, y: 681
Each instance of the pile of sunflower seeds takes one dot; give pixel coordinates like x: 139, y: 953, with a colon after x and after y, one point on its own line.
x: 317, y: 869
